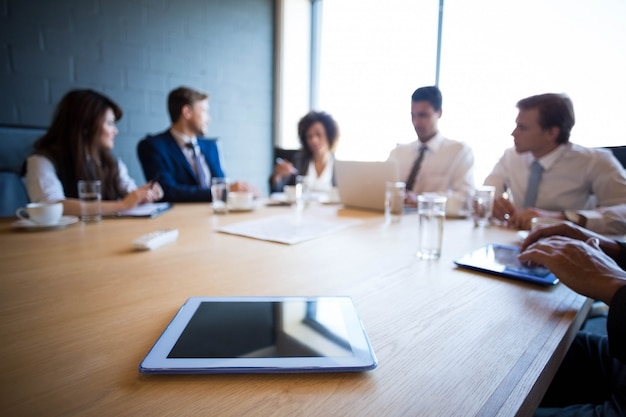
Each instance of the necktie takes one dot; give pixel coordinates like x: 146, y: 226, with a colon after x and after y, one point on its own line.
x: 533, y: 184
x: 410, y: 181
x: 197, y: 160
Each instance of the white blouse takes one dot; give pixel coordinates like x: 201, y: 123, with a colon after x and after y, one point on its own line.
x: 43, y: 184
x: 323, y: 182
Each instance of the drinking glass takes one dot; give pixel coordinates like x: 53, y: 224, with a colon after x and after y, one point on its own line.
x: 431, y: 209
x: 219, y: 194
x: 482, y: 205
x: 395, y: 193
x: 90, y: 195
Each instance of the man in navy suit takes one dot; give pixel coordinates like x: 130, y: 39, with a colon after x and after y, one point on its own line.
x: 181, y: 159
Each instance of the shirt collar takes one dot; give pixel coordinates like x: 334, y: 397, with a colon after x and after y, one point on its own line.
x: 183, y: 139
x: 547, y: 161
x: 433, y: 144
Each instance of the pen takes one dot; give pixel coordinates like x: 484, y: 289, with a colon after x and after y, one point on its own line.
x: 280, y: 160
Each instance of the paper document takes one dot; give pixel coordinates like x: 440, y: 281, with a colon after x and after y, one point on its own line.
x: 146, y: 210
x: 288, y: 229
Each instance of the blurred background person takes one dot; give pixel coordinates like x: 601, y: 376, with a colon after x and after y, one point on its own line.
x: 78, y: 146
x: 181, y: 157
x: 432, y: 162
x: 315, y: 161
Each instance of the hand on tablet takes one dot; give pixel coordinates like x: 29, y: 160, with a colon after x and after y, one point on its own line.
x: 580, y: 265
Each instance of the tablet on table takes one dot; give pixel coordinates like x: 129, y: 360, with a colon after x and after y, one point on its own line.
x: 502, y: 260
x: 262, y: 335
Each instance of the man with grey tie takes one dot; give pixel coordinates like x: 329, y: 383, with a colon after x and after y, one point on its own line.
x: 433, y: 163
x: 544, y: 175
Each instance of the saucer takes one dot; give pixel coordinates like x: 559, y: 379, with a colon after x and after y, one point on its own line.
x: 30, y: 225
x: 233, y: 209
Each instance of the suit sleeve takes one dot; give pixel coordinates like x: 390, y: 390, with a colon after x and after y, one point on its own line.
x: 616, y: 325
x: 157, y: 165
x: 301, y: 163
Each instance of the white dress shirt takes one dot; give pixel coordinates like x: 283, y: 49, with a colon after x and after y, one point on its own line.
x: 590, y: 181
x: 43, y: 184
x: 182, y: 141
x: 448, y: 165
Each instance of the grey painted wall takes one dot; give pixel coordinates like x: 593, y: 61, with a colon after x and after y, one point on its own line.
x: 136, y: 51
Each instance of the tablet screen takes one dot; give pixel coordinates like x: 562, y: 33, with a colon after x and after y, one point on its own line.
x: 285, y: 334
x: 264, y: 329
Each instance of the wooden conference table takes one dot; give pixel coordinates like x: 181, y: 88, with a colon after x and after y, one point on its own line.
x: 80, y: 310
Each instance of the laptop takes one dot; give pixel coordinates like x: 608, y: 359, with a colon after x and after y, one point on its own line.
x: 361, y: 184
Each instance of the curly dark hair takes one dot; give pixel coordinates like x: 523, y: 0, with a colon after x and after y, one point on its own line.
x: 330, y: 126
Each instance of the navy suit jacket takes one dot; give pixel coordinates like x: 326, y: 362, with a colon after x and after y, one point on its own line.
x: 162, y: 160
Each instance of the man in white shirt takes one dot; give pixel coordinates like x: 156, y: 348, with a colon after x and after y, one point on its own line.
x: 433, y: 163
x: 585, y: 186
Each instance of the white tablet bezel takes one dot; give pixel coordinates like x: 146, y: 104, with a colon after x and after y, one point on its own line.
x: 157, y: 362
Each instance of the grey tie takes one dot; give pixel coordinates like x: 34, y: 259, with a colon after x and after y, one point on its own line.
x: 533, y: 184
x: 197, y: 160
x: 410, y: 182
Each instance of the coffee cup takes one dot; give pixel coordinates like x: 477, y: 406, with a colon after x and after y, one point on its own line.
x: 456, y: 205
x: 44, y: 214
x: 292, y: 192
x: 240, y: 200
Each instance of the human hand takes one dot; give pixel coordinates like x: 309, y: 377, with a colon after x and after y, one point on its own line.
x: 410, y: 199
x: 283, y: 168
x: 155, y: 192
x: 580, y: 265
x: 503, y: 209
x: 244, y: 186
x: 567, y: 229
x: 521, y: 219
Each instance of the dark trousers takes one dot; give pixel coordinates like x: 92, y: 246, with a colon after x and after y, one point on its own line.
x: 589, y: 382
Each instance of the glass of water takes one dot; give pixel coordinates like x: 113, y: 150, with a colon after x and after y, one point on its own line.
x: 90, y: 195
x: 482, y: 205
x: 431, y: 209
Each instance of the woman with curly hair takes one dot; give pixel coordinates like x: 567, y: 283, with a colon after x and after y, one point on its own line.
x: 318, y: 133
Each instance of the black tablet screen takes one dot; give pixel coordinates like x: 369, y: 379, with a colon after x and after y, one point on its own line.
x: 264, y: 329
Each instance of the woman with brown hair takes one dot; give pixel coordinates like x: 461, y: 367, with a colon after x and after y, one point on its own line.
x: 78, y: 146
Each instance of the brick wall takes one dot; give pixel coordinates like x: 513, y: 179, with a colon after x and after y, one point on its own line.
x: 136, y: 51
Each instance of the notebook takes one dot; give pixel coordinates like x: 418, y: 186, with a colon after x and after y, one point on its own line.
x: 147, y: 210
x: 362, y: 184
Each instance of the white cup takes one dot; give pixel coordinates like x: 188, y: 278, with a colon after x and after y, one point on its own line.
x: 240, y: 200
x: 45, y: 214
x: 293, y: 193
x: 456, y: 206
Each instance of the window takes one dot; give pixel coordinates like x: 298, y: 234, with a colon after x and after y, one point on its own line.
x: 374, y: 54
